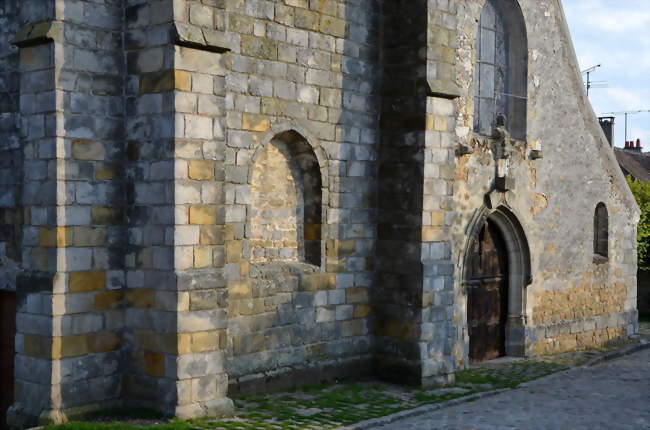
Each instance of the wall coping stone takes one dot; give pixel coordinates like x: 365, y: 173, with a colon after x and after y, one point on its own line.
x: 39, y: 33
x: 199, y: 38
x: 442, y: 89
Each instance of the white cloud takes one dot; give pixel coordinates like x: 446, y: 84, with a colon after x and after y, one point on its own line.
x: 621, y: 99
x: 615, y: 34
x: 610, y: 16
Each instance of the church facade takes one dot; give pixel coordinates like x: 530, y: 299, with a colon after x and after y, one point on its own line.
x: 200, y: 198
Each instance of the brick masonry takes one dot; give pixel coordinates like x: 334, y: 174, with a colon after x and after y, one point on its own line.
x: 208, y: 197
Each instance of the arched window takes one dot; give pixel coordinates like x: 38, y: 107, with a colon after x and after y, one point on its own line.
x: 501, y: 70
x: 286, y: 211
x: 601, y: 231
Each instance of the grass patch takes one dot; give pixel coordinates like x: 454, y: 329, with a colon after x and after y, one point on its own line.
x: 172, y: 425
x: 328, y: 406
x: 508, y: 376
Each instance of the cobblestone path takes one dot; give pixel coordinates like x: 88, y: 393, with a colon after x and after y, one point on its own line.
x: 612, y: 395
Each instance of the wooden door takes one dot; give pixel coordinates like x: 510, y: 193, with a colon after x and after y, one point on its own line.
x: 487, y: 295
x: 7, y: 335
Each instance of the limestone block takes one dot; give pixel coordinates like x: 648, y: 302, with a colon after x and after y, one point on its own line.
x: 194, y: 60
x: 87, y: 150
x: 344, y: 312
x: 203, y: 215
x: 306, y: 19
x: 87, y: 281
x: 189, y: 322
x: 198, y: 365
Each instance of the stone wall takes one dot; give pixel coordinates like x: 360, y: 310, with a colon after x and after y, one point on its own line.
x: 176, y: 325
x: 309, y: 67
x: 11, y: 157
x: 236, y: 195
x: 71, y: 109
x: 574, y: 301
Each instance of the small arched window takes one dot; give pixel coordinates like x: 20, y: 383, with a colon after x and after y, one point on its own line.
x: 285, y: 215
x: 501, y: 70
x: 601, y: 231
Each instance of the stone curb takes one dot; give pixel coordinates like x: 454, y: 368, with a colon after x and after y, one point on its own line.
x: 643, y: 344
x: 388, y: 419
x: 420, y: 410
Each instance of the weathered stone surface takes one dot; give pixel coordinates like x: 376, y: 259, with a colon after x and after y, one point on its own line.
x: 203, y: 193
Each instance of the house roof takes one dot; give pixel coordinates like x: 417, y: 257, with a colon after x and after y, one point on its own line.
x: 636, y: 164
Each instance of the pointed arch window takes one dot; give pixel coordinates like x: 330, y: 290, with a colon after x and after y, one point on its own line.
x: 501, y: 69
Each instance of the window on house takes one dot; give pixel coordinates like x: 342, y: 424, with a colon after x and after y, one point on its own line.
x: 501, y: 70
x: 601, y: 231
x: 286, y: 202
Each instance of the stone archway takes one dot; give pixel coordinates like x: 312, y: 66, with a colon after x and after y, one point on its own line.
x: 517, y: 256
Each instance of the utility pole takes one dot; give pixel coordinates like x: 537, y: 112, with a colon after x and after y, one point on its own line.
x: 627, y: 113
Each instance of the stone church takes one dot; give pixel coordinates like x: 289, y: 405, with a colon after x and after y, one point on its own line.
x: 200, y: 198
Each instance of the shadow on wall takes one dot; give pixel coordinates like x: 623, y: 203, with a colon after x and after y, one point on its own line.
x: 643, y: 293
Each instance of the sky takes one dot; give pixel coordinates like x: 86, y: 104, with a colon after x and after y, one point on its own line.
x: 615, y: 34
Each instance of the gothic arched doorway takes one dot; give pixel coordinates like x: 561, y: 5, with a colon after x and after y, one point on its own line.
x: 487, y: 294
x: 496, y: 271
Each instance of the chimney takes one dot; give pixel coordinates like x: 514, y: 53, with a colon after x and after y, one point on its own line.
x: 607, y: 124
x: 631, y: 146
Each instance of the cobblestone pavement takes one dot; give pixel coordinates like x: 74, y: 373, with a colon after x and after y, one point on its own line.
x: 612, y: 395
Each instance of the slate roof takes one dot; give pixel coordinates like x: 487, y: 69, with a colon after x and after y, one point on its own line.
x: 636, y: 164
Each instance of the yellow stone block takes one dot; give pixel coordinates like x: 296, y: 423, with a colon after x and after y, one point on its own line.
x: 55, y: 237
x: 347, y: 247
x: 154, y: 364
x: 211, y: 235
x: 157, y: 82
x: 398, y: 330
x: 205, y: 341
x: 240, y: 290
x: 202, y: 257
x: 37, y: 346
x: 203, y: 214
x: 104, y: 215
x: 89, y: 236
x: 103, y: 342
x: 105, y: 172
x: 254, y: 122
x: 201, y: 170
x: 430, y: 123
x: 356, y: 295
x: 431, y: 234
x: 69, y: 346
x: 88, y: 150
x: 86, y: 281
x: 427, y: 300
x: 106, y: 300
x: 141, y: 298
x: 47, y: 237
x: 362, y: 311
x: 182, y: 80
x: 437, y: 218
x: 318, y: 282
x: 184, y: 343
x: 233, y: 251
